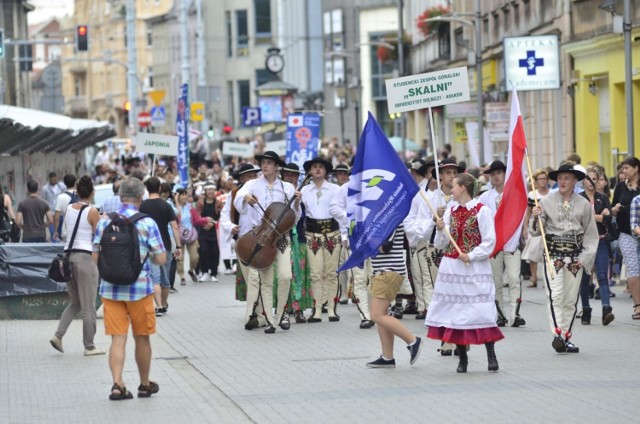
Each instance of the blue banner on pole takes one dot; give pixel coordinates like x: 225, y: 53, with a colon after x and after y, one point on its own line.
x: 303, y: 142
x: 379, y: 196
x: 183, y: 135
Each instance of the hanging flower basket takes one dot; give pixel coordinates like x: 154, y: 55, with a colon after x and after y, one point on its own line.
x: 428, y: 28
x: 386, y: 54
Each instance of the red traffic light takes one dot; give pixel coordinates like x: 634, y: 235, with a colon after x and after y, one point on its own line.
x: 82, y: 30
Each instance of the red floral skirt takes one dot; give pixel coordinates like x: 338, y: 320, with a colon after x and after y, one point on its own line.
x: 474, y: 336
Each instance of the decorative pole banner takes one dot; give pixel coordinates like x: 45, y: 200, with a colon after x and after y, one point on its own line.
x: 183, y: 136
x: 379, y: 196
x: 302, y: 136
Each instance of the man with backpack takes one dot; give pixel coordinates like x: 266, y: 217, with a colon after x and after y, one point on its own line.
x: 63, y: 200
x: 122, y: 243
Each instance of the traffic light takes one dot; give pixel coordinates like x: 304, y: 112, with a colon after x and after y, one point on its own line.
x: 210, y: 132
x: 82, y: 38
x: 1, y: 43
x: 127, y: 105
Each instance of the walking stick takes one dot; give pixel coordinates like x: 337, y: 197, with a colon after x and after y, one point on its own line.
x: 552, y: 272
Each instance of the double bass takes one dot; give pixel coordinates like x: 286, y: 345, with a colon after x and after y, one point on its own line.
x: 257, y: 248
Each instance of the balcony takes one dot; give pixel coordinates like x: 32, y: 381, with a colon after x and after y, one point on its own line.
x: 77, y: 105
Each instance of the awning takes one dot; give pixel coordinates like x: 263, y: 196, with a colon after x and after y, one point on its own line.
x: 34, y: 131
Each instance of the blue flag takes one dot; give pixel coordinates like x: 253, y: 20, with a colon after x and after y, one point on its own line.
x: 379, y: 195
x: 183, y: 135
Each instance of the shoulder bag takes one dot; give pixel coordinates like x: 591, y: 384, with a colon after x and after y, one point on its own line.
x: 60, y: 268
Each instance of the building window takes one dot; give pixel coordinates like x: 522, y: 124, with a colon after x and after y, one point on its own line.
x: 77, y: 87
x: 231, y: 109
x: 496, y: 26
x: 485, y: 32
x: 461, y: 43
x: 244, y: 94
x: 444, y: 41
x: 527, y: 10
x: 150, y: 76
x: 149, y: 38
x: 263, y: 18
x: 516, y: 16
x: 242, y: 32
x: 228, y: 24
x: 380, y: 71
x: 507, y: 19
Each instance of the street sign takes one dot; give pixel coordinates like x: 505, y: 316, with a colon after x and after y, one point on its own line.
x: 158, y: 115
x: 144, y: 119
x: 243, y: 150
x: 166, y: 145
x: 428, y: 90
x: 197, y: 111
x: 156, y: 96
x: 251, y: 117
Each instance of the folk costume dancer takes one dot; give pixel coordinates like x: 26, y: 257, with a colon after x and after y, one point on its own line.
x: 232, y: 223
x: 572, y: 240
x: 506, y: 264
x: 341, y: 174
x: 300, y: 297
x: 360, y: 276
x: 416, y: 224
x: 253, y: 199
x: 441, y: 200
x: 323, y: 238
x: 462, y: 310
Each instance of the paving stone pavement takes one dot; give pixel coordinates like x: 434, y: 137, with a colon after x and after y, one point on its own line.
x: 211, y: 370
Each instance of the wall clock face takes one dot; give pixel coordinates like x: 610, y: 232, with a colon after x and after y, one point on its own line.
x: 275, y: 63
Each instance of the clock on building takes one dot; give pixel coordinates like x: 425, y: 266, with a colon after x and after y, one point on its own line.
x: 274, y: 63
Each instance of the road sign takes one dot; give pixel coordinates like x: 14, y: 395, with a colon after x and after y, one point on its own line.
x: 158, y: 115
x: 144, y: 119
x: 156, y: 96
x: 251, y: 117
x: 197, y: 111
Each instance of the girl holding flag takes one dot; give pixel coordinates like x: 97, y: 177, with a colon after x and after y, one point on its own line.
x: 462, y: 309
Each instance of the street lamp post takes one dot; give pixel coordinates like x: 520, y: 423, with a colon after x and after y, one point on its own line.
x: 354, y: 93
x: 341, y: 92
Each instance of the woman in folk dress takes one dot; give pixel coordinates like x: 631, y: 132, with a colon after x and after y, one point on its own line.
x: 463, y: 310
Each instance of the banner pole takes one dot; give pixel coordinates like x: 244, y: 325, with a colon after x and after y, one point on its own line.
x: 535, y: 201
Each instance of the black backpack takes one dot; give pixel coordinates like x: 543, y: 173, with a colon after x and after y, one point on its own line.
x: 119, y: 260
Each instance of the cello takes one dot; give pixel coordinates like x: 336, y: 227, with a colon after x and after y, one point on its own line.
x: 257, y: 248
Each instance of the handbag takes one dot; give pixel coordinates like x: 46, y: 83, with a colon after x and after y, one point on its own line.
x: 60, y: 267
x: 188, y: 236
x: 613, y: 233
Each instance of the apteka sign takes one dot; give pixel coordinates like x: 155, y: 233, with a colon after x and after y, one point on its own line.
x: 532, y: 63
x: 428, y: 90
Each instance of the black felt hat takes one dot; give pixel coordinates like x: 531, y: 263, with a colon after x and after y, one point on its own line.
x: 496, y: 165
x: 566, y: 168
x: 341, y: 168
x: 244, y: 169
x: 447, y: 163
x: 270, y: 155
x: 327, y: 165
x: 291, y: 167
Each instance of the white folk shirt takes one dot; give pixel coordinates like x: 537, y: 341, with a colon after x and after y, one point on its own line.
x: 244, y: 224
x: 492, y: 199
x: 419, y: 220
x: 316, y: 201
x: 266, y: 194
x: 338, y: 209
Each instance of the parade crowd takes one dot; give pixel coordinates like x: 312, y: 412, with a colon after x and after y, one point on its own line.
x: 439, y: 265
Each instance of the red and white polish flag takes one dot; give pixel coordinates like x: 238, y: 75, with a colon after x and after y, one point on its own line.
x: 510, y: 214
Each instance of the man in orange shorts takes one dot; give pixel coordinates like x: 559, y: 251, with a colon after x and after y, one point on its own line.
x: 124, y: 304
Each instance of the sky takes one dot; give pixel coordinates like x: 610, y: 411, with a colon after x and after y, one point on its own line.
x: 45, y: 9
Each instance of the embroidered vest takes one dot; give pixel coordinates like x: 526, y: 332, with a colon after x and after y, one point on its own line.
x: 464, y: 230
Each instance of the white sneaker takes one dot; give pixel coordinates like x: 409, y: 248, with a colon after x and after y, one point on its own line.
x: 56, y: 342
x: 228, y: 272
x: 93, y: 352
x: 214, y: 279
x: 204, y: 277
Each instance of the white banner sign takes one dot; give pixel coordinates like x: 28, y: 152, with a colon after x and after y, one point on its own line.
x: 532, y: 63
x: 280, y: 147
x: 158, y: 144
x: 243, y: 150
x: 427, y: 90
